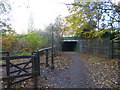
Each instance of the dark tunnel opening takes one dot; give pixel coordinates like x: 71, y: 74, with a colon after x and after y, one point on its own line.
x: 69, y: 46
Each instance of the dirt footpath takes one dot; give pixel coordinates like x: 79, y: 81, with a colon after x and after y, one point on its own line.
x: 77, y: 76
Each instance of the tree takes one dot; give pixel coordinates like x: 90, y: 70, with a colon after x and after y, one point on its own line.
x: 83, y: 18
x: 5, y: 25
x: 60, y: 30
x: 89, y: 19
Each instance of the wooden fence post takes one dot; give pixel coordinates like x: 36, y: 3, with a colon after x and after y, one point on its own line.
x: 47, y: 58
x: 8, y: 70
x: 38, y: 62
x: 37, y: 58
x: 35, y: 73
x: 52, y: 59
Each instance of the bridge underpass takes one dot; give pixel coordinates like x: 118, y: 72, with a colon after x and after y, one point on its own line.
x: 70, y: 44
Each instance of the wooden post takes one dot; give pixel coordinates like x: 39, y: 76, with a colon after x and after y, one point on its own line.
x: 34, y: 70
x: 38, y: 62
x: 47, y: 58
x: 52, y: 57
x: 8, y: 70
x: 37, y: 58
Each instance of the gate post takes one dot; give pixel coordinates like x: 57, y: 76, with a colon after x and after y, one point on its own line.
x: 34, y: 71
x: 8, y: 69
x: 37, y: 61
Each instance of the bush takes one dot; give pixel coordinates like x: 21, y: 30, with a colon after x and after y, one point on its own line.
x: 35, y: 41
x: 24, y: 44
x: 8, y: 42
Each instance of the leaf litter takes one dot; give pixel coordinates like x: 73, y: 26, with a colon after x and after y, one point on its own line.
x: 104, y: 72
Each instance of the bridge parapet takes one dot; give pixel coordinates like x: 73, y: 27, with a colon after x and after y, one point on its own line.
x: 70, y: 38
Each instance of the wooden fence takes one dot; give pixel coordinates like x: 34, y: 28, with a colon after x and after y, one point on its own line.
x: 115, y: 49
x: 21, y: 71
x: 101, y: 47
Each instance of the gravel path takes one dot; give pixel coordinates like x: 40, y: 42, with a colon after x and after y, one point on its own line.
x: 77, y: 76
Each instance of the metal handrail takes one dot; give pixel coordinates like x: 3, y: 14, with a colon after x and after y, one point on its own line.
x: 44, y: 49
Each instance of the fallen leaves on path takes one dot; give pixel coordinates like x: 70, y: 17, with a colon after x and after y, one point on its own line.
x: 61, y: 61
x: 103, y: 71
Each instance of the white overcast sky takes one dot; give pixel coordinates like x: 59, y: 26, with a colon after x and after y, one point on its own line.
x: 42, y: 11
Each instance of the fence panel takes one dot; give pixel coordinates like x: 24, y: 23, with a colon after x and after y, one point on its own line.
x: 101, y: 47
x: 116, y: 49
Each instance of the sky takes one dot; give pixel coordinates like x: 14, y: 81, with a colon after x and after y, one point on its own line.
x: 38, y: 13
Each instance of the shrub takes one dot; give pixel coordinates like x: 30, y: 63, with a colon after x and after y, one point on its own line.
x: 35, y: 41
x: 8, y: 42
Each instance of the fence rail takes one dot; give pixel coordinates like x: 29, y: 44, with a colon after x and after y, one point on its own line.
x: 101, y: 47
x: 30, y: 67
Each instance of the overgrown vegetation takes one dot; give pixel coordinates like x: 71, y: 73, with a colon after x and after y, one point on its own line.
x: 94, y: 19
x: 24, y: 43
